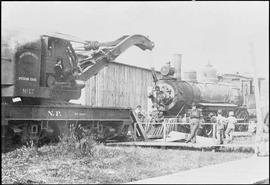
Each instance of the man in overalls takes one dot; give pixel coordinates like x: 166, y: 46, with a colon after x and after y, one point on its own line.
x: 195, y: 115
x: 231, y: 126
x: 221, y: 124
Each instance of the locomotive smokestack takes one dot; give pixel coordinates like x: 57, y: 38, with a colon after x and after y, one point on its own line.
x: 177, y: 61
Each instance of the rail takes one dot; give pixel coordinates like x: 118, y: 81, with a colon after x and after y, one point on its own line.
x: 168, y: 125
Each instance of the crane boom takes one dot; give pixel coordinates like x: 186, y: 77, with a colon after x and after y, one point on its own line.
x: 110, y: 51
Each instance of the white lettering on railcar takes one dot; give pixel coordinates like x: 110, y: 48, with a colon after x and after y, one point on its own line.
x: 28, y: 91
x: 29, y: 54
x: 33, y: 79
x: 23, y: 78
x: 54, y: 113
x: 79, y: 114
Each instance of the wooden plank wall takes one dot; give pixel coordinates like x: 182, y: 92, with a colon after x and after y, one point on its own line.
x: 118, y: 85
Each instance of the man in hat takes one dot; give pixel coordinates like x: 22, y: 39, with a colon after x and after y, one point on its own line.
x: 59, y: 69
x: 231, y: 120
x: 213, y: 119
x: 139, y: 113
x: 221, y: 124
x: 195, y: 115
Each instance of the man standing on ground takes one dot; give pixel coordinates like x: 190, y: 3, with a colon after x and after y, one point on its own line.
x: 195, y: 116
x: 213, y: 119
x: 221, y: 124
x: 231, y: 126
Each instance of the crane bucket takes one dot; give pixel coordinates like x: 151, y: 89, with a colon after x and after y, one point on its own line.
x: 109, y: 51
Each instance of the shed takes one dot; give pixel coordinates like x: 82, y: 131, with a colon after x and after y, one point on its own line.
x: 118, y: 85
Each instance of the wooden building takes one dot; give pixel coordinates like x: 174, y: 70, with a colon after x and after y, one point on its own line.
x: 246, y: 84
x: 118, y: 85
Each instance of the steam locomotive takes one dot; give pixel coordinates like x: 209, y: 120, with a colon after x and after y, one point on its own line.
x: 39, y: 77
x: 174, y: 95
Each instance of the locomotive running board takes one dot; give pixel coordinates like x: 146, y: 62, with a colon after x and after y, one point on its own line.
x: 217, y: 104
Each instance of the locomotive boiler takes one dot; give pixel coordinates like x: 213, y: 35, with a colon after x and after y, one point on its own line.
x: 174, y: 95
x: 40, y: 76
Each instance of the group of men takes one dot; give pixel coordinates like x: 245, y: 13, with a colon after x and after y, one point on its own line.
x: 155, y: 115
x: 224, y: 126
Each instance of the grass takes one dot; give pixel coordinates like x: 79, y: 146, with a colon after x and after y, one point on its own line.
x: 101, y: 164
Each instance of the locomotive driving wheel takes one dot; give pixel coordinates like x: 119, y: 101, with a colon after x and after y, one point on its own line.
x: 243, y: 115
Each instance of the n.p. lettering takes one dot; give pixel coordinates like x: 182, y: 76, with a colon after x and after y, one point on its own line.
x: 53, y: 113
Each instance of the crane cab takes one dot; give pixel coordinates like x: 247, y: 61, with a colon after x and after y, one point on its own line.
x: 32, y: 70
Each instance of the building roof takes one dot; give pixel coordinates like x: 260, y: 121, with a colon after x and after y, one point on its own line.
x: 236, y: 76
x: 128, y: 65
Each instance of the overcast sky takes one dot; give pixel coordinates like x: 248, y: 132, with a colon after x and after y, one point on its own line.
x: 218, y: 32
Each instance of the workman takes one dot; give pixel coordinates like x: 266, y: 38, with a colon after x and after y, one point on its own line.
x: 231, y: 120
x: 220, y: 125
x: 195, y: 116
x: 139, y: 113
x: 59, y: 69
x: 213, y: 119
x: 160, y: 117
x: 153, y: 94
x: 153, y: 113
x: 159, y: 96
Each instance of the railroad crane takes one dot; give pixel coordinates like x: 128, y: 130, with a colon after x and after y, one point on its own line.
x: 38, y: 78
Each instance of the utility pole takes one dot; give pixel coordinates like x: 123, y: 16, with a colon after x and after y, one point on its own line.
x: 259, y: 127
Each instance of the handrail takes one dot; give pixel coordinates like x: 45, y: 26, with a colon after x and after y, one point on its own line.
x: 172, y: 121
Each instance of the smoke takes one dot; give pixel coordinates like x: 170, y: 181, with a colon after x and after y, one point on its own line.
x: 17, y: 37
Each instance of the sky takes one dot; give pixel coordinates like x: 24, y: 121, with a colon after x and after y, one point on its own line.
x: 216, y: 32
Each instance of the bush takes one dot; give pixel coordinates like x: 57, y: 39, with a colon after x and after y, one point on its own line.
x: 79, y: 141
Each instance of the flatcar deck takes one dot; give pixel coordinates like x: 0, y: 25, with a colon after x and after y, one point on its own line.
x: 190, y: 146
x: 63, y: 112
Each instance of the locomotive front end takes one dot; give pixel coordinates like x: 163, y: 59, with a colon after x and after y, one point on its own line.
x: 172, y: 96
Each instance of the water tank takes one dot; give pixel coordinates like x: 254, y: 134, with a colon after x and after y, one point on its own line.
x: 190, y: 75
